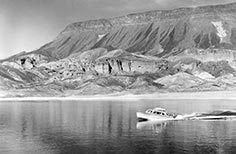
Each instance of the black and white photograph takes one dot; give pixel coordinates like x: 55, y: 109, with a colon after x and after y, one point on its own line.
x: 117, y: 76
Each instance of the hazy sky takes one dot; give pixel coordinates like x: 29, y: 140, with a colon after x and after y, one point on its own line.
x: 25, y: 25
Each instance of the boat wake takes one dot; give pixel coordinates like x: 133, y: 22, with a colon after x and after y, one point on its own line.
x: 214, y: 115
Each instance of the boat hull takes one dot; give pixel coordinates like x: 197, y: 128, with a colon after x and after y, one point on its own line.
x: 149, y: 117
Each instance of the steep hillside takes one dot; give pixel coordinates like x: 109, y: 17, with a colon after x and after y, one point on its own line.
x: 187, y: 49
x: 158, y: 33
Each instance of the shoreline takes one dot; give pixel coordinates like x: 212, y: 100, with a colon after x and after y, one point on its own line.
x: 133, y: 97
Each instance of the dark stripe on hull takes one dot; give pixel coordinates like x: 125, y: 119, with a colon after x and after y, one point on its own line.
x: 142, y: 119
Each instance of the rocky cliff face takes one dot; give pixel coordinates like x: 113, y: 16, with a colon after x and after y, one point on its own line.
x: 187, y: 49
x: 157, y: 33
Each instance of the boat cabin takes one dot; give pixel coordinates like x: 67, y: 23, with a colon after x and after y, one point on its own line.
x: 157, y: 111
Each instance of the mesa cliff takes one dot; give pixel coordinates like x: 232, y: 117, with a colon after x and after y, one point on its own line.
x: 180, y: 50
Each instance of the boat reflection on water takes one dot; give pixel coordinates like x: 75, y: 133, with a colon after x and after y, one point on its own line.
x: 156, y: 126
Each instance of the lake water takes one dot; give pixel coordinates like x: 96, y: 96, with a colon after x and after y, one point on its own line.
x: 110, y: 127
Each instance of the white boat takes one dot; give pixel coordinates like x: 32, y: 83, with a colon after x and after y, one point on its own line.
x: 157, y: 114
x: 160, y: 115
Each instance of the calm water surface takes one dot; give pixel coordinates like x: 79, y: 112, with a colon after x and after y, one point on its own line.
x: 105, y: 127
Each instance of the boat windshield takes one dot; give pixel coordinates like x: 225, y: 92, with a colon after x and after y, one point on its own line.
x: 149, y: 111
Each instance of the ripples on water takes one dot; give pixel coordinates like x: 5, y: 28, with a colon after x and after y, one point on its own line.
x: 111, y: 127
